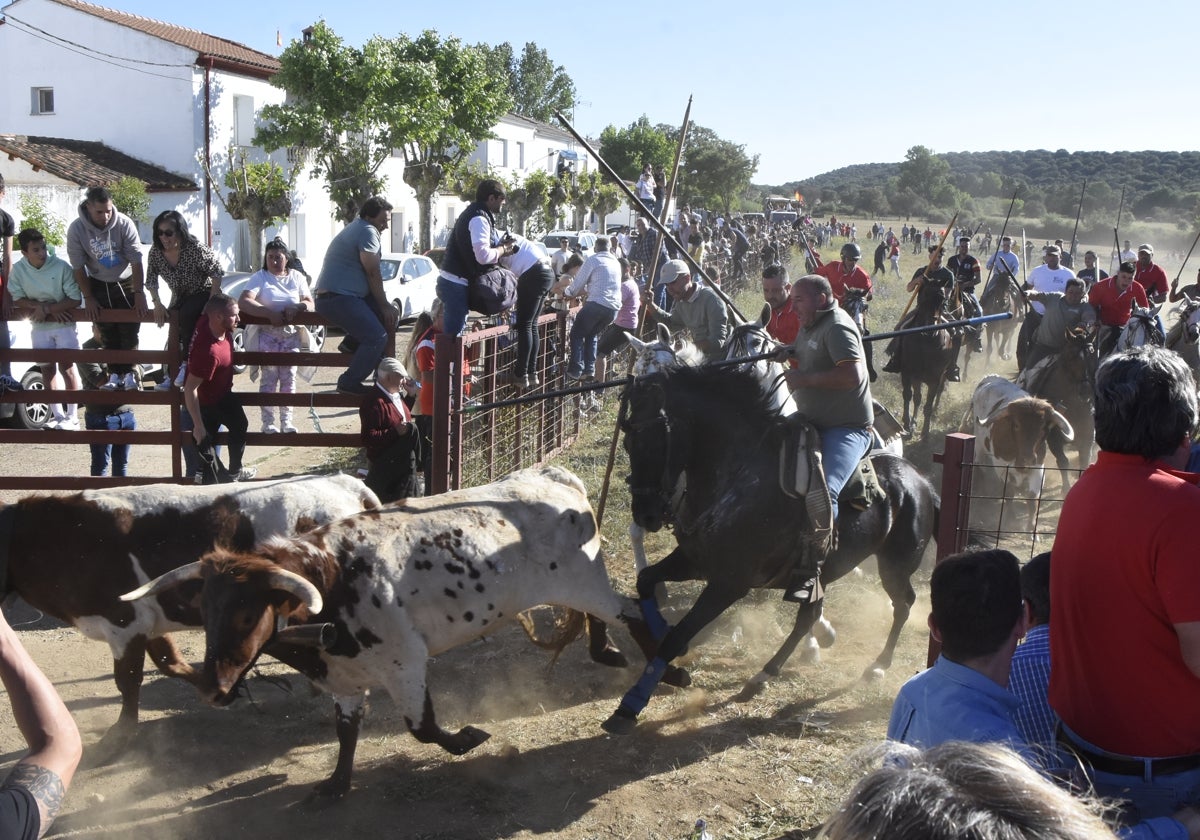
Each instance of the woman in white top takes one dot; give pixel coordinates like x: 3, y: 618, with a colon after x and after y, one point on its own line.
x: 277, y: 294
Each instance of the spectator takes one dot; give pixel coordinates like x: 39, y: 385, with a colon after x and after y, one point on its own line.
x: 474, y: 245
x: 421, y: 358
x: 600, y: 278
x: 191, y: 271
x: 43, y: 288
x: 102, y: 244
x: 389, y: 435
x: 8, y: 230
x: 105, y: 418
x: 33, y: 793
x: 535, y: 276
x: 626, y: 322
x: 278, y: 294
x: 960, y: 791
x: 696, y: 308
x: 648, y: 252
x: 349, y: 293
x: 208, y: 391
x: 1126, y: 690
x: 1090, y: 274
x: 410, y: 239
x: 645, y: 189
x: 1029, y: 677
x: 558, y: 259
x: 977, y: 616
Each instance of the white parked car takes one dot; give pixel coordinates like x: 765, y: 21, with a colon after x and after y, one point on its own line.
x: 581, y: 241
x: 410, y: 282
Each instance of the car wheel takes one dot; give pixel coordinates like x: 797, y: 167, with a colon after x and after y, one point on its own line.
x: 33, y: 415
x: 318, y: 336
x: 239, y: 344
x: 400, y: 308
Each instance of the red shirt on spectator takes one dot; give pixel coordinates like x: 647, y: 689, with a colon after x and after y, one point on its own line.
x: 1112, y: 304
x: 1152, y: 278
x: 784, y: 324
x: 211, y: 360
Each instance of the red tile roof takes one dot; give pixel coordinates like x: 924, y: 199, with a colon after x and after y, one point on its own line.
x: 228, y: 54
x: 88, y: 163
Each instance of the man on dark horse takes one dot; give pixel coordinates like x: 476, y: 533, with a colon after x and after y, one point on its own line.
x: 966, y: 271
x: 935, y: 272
x: 830, y: 387
x: 1065, y: 311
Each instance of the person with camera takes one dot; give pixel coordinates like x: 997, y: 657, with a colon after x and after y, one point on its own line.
x: 474, y: 244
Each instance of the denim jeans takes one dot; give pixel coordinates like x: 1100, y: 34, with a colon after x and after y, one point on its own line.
x: 454, y: 302
x: 589, y: 323
x: 360, y: 321
x: 98, y: 421
x: 842, y: 447
x: 532, y: 287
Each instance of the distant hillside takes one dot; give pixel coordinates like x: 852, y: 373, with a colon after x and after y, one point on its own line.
x: 1159, y: 186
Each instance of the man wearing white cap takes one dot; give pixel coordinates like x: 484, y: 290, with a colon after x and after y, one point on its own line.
x: 697, y: 308
x: 1151, y: 275
x: 1048, y: 277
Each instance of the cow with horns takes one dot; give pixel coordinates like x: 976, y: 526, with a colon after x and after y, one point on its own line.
x: 72, y: 557
x: 404, y: 583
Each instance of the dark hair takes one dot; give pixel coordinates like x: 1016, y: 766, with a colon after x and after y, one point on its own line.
x: 487, y: 188
x: 1074, y: 281
x: 186, y: 240
x: 776, y: 270
x: 573, y: 261
x: 624, y: 263
x: 373, y: 206
x: 1128, y: 267
x: 1145, y: 402
x: 976, y: 602
x: 1035, y: 586
x: 97, y: 195
x: 28, y: 236
x: 276, y: 244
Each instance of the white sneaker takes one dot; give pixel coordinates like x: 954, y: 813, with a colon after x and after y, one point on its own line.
x: 270, y: 429
x: 52, y: 425
x: 112, y: 384
x: 129, y: 382
x: 245, y: 474
x: 68, y: 425
x: 289, y: 429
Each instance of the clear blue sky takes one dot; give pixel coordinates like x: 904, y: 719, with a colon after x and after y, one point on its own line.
x: 813, y: 86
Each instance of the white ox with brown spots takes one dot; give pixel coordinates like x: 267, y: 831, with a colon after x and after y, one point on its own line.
x: 405, y: 583
x: 1012, y: 434
x: 72, y: 557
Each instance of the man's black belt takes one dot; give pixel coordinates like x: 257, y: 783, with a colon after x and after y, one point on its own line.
x: 1130, y: 766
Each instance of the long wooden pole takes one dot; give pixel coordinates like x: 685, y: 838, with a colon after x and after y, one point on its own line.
x: 1175, y: 282
x: 936, y: 254
x: 668, y: 194
x: 659, y: 226
x: 1078, y: 216
x: 1116, y: 257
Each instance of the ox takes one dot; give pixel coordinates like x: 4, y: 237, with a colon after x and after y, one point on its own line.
x: 1013, y: 431
x: 72, y: 557
x: 402, y: 584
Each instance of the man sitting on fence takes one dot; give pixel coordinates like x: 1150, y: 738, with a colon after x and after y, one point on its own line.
x: 208, y: 391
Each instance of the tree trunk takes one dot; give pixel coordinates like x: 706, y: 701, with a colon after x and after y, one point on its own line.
x: 425, y: 178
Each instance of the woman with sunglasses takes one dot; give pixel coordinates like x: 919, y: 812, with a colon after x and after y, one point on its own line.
x: 277, y: 293
x: 191, y: 271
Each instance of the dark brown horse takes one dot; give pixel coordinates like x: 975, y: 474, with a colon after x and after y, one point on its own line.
x: 1067, y: 383
x: 1002, y: 296
x: 925, y: 358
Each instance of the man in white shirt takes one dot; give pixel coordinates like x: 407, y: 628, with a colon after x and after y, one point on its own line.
x: 1048, y: 277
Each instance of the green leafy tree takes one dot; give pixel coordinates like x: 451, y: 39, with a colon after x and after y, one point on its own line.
x: 627, y: 150
x: 34, y: 214
x: 260, y: 193
x: 464, y: 100
x: 715, y: 171
x: 527, y: 200
x: 582, y: 195
x: 924, y: 173
x: 537, y: 85
x: 129, y: 196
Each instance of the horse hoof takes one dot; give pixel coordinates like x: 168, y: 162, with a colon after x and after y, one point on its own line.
x: 874, y: 674
x: 465, y: 740
x: 677, y: 677
x: 811, y: 655
x: 619, y: 724
x: 824, y: 633
x: 753, y: 687
x: 611, y: 657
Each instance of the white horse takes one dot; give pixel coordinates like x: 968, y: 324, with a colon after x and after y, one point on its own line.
x: 1142, y: 328
x: 1184, y: 335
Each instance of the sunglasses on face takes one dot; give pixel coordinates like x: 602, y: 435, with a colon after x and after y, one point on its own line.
x: 165, y: 232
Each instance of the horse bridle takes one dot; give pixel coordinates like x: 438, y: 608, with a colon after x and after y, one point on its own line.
x: 663, y: 491
x: 739, y: 345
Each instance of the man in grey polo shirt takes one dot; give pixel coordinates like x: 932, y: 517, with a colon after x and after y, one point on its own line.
x: 696, y: 307
x: 830, y: 387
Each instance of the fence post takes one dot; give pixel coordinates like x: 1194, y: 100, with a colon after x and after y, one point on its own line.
x: 447, y: 422
x: 956, y: 458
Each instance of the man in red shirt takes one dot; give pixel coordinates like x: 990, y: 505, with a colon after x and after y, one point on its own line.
x: 1114, y: 297
x: 846, y: 272
x: 1127, y: 690
x: 783, y: 324
x: 208, y: 391
x: 1151, y: 276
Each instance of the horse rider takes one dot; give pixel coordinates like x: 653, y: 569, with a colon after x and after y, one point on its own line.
x: 830, y: 387
x: 1048, y: 277
x: 1064, y: 311
x: 935, y: 272
x: 845, y: 274
x: 1113, y: 299
x: 1003, y: 265
x: 967, y: 272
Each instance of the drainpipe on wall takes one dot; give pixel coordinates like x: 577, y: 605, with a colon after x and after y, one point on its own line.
x: 208, y: 238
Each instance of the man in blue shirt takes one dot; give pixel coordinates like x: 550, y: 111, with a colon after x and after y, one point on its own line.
x: 978, y: 617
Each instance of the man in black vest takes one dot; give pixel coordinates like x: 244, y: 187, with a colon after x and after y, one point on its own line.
x: 474, y: 244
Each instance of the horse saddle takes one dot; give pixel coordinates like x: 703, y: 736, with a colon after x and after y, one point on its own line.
x: 1031, y: 377
x: 886, y: 427
x: 802, y: 475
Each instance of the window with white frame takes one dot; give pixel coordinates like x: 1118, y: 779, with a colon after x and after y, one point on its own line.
x: 42, y: 100
x: 243, y: 120
x: 520, y: 155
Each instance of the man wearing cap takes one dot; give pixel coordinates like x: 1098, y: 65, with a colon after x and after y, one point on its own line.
x: 1048, y: 277
x: 846, y: 273
x: 1090, y: 274
x: 697, y: 308
x: 1064, y: 255
x: 830, y: 387
x: 1151, y: 275
x: 1113, y: 299
x: 1003, y: 265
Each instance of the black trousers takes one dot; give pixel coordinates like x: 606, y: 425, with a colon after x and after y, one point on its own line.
x: 116, y: 336
x: 230, y: 414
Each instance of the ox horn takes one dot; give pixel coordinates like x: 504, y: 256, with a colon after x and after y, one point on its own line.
x: 1064, y: 424
x: 293, y: 584
x: 171, y: 579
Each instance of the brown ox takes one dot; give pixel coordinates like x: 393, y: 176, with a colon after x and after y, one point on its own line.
x: 73, y: 556
x: 405, y: 583
x: 1013, y: 432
